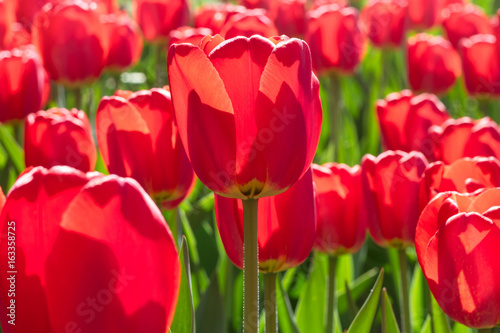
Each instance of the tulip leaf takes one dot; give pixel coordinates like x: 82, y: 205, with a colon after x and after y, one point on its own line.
x: 357, y: 288
x: 459, y: 328
x: 364, y: 319
x: 286, y: 318
x: 440, y: 320
x: 183, y: 321
x: 419, y: 299
x: 210, y: 313
x: 12, y: 148
x: 426, y: 327
x: 389, y: 323
x: 353, y: 308
x: 310, y: 311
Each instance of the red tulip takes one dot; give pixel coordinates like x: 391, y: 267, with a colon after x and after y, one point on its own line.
x: 253, y: 134
x: 335, y: 39
x: 215, y: 15
x: 249, y: 23
x: 59, y: 137
x: 77, y: 261
x: 339, y: 210
x: 384, y: 22
x: 405, y: 119
x: 289, y: 16
x: 27, y: 9
x: 481, y: 63
x: 424, y: 14
x: 461, y: 21
x: 188, y: 35
x: 24, y: 83
x: 457, y: 241
x: 465, y: 137
x: 433, y: 64
x: 465, y: 175
x: 390, y: 186
x: 16, y: 37
x: 138, y: 138
x: 158, y: 17
x: 286, y: 227
x: 72, y: 41
x: 125, y: 42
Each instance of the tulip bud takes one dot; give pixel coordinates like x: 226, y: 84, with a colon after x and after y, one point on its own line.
x: 433, y: 64
x: 391, y: 184
x: 138, y: 138
x: 286, y: 227
x: 405, y: 118
x: 24, y: 83
x: 249, y: 23
x: 59, y: 137
x: 340, y: 215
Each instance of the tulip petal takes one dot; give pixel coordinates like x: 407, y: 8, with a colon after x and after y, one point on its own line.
x: 288, y: 113
x: 34, y: 210
x: 96, y: 250
x: 461, y: 271
x: 204, y: 116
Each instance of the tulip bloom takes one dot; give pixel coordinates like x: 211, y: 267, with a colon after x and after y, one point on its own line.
x: 424, y: 14
x: 339, y: 210
x: 253, y: 134
x: 215, y: 15
x: 158, y: 17
x: 465, y: 175
x: 72, y: 41
x: 255, y: 4
x: 286, y: 227
x: 384, y: 22
x: 461, y: 21
x: 249, y: 23
x: 335, y: 39
x: 391, y: 183
x: 78, y: 266
x: 465, y: 137
x: 59, y: 137
x: 24, y: 83
x: 480, y: 57
x: 457, y: 241
x: 125, y: 43
x: 138, y: 138
x: 405, y: 119
x: 289, y: 17
x: 433, y: 64
x: 188, y: 35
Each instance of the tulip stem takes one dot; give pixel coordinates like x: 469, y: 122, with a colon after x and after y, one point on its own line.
x: 250, y: 267
x: 334, y: 104
x: 270, y: 302
x: 330, y: 320
x: 405, y: 299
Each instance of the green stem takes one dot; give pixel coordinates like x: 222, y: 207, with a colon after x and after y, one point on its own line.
x: 160, y: 65
x: 270, y: 302
x: 61, y: 96
x: 251, y: 267
x: 78, y: 99
x: 384, y: 72
x: 334, y: 106
x: 330, y: 320
x: 484, y: 330
x: 405, y: 291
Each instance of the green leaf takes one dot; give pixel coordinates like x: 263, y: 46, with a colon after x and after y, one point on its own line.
x: 419, y: 301
x: 459, y: 328
x: 357, y: 288
x: 426, y: 327
x: 310, y: 311
x: 286, y: 319
x: 210, y: 313
x: 389, y: 323
x: 183, y: 321
x: 353, y: 309
x: 441, y: 323
x: 344, y: 270
x: 364, y: 319
x: 12, y: 148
